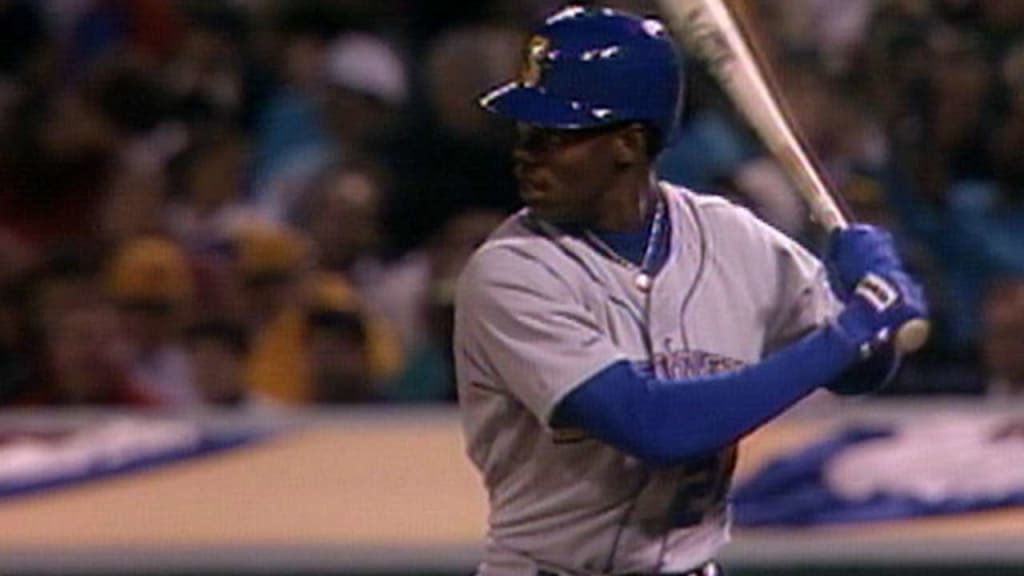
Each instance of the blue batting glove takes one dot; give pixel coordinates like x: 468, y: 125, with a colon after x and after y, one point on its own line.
x: 879, y: 304
x: 855, y: 251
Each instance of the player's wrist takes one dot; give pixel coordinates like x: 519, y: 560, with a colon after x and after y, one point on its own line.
x: 859, y: 330
x: 853, y: 332
x: 880, y: 305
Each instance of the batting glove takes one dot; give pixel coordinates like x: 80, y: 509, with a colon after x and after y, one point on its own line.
x: 856, y: 251
x: 880, y: 303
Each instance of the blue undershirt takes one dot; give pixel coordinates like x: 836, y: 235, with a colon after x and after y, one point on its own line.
x: 632, y: 244
x: 667, y: 422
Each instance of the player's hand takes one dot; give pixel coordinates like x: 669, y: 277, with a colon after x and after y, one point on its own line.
x: 882, y: 301
x: 855, y: 251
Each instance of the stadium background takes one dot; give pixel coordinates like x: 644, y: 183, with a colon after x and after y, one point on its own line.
x: 248, y: 215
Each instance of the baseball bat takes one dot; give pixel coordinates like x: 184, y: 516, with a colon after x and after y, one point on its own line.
x: 708, y: 30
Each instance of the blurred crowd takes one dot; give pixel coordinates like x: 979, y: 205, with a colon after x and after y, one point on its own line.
x: 264, y: 202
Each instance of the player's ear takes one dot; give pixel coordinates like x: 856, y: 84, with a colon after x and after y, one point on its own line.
x: 631, y: 145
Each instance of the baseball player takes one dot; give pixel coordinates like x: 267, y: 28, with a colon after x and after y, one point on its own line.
x: 617, y: 337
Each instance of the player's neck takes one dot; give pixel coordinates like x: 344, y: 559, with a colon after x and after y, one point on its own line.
x: 628, y: 207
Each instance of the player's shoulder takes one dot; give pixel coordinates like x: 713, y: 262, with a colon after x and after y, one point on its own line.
x: 514, y: 239
x: 710, y: 206
x: 720, y: 216
x: 734, y: 232
x: 517, y: 251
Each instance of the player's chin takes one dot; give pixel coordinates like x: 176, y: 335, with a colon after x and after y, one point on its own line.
x: 551, y: 212
x: 530, y: 193
x: 543, y: 203
x: 536, y: 200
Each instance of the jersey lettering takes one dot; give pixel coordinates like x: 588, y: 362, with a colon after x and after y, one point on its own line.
x: 703, y: 484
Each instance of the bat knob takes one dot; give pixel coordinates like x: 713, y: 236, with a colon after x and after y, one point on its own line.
x: 912, y: 335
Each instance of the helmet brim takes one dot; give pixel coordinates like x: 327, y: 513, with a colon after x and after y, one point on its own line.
x: 531, y: 105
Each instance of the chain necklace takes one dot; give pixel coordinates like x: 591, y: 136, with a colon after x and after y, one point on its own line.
x: 644, y: 275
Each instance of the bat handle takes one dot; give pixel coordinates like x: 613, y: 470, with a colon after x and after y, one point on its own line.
x: 912, y: 335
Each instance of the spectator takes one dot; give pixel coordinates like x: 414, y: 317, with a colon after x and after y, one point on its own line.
x: 89, y: 162
x: 15, y: 357
x: 1008, y: 140
x: 52, y: 173
x: 1001, y: 23
x: 145, y: 29
x: 361, y: 88
x: 711, y: 144
x: 206, y: 204
x: 453, y: 157
x: 1002, y: 344
x: 272, y: 265
x: 343, y: 216
x: 217, y: 352
x: 293, y: 141
x: 428, y: 375
x: 366, y: 85
x: 959, y: 116
x: 205, y: 73
x: 979, y: 233
x: 85, y: 359
x: 145, y: 140
x: 351, y: 353
x: 23, y: 25
x: 152, y: 285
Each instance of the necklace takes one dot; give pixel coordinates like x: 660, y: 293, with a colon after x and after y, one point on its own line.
x: 644, y: 275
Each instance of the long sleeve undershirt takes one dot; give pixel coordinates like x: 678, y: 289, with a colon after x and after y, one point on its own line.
x: 664, y: 422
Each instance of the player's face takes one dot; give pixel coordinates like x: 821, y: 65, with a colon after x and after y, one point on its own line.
x: 564, y: 174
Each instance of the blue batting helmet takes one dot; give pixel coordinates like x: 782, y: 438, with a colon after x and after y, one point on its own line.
x: 589, y: 67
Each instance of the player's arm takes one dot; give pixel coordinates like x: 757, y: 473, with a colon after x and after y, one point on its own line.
x: 664, y: 422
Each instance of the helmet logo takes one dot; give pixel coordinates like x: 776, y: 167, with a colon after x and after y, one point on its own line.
x: 653, y: 28
x: 536, y: 54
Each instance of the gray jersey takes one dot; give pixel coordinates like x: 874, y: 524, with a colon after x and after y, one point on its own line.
x: 539, y: 311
